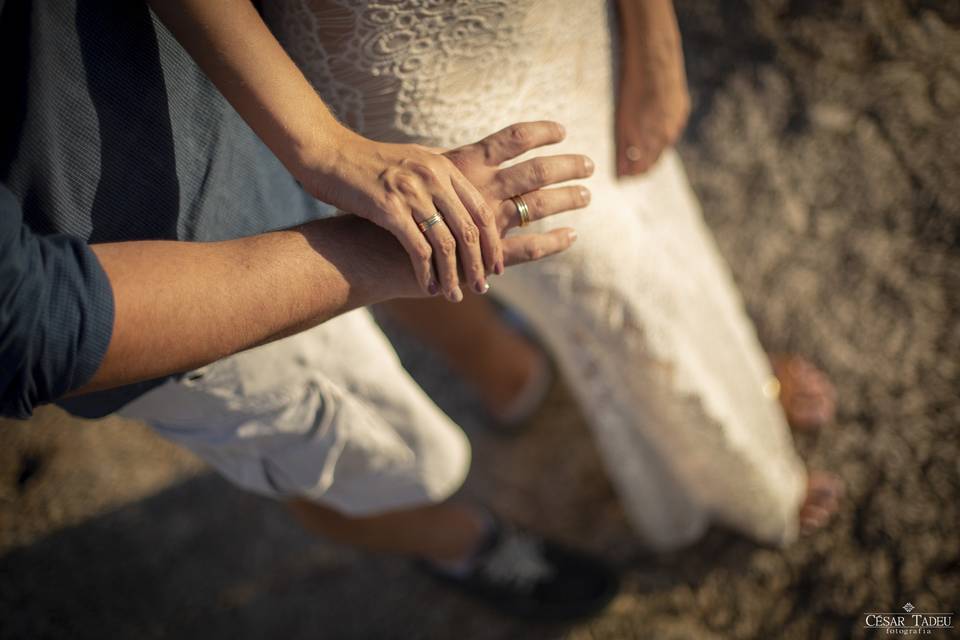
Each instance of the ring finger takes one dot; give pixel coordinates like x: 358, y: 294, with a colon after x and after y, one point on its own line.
x: 544, y: 203
x: 444, y: 251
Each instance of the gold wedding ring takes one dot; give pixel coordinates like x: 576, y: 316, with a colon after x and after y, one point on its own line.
x: 522, y: 210
x: 429, y: 222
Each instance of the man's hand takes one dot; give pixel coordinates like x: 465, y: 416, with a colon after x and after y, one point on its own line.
x: 481, y: 164
x: 398, y: 186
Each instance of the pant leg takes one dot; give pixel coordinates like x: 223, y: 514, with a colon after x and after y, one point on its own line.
x: 328, y: 415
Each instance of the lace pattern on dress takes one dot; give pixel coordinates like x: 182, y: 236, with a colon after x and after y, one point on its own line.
x: 641, y: 312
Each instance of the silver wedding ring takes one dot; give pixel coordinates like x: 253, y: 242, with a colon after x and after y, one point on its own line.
x: 429, y: 222
x: 522, y: 210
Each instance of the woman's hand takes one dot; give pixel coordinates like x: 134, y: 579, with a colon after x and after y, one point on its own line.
x: 654, y: 103
x: 399, y: 186
x: 395, y: 186
x: 480, y: 163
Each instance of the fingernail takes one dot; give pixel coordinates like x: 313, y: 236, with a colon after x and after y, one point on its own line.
x: 481, y: 287
x: 572, y: 235
x: 455, y: 295
x: 585, y: 194
x: 563, y: 129
x: 588, y: 164
x: 433, y: 288
x: 499, y: 268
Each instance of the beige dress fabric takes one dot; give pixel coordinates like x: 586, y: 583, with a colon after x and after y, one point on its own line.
x: 641, y: 314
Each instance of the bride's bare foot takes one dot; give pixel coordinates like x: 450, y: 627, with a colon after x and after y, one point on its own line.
x: 824, y: 491
x: 808, y: 398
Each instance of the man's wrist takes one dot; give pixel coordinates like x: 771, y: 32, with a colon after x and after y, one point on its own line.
x: 369, y: 259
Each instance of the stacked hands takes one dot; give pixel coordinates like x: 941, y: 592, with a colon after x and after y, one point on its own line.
x: 450, y: 210
x: 403, y: 188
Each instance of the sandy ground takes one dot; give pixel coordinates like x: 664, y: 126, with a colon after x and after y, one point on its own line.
x: 824, y: 145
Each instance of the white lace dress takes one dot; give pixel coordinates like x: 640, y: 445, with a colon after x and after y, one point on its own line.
x: 641, y: 314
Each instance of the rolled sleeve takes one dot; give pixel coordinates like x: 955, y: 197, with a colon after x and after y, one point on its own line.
x: 56, y: 313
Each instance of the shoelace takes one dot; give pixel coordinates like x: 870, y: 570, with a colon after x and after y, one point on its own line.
x: 518, y: 561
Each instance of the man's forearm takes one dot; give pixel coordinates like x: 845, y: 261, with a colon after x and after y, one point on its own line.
x: 180, y: 305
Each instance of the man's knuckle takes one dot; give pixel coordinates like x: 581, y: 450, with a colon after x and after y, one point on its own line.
x: 533, y: 252
x: 489, y: 149
x: 541, y: 171
x: 519, y: 134
x: 538, y: 201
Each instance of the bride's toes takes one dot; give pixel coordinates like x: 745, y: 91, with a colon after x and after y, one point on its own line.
x: 812, y: 518
x: 809, y: 399
x: 824, y: 491
x: 807, y: 413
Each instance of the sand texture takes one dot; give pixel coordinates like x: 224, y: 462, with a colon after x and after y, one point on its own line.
x: 825, y: 146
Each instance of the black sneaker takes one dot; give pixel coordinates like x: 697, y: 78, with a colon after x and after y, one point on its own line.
x: 526, y: 576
